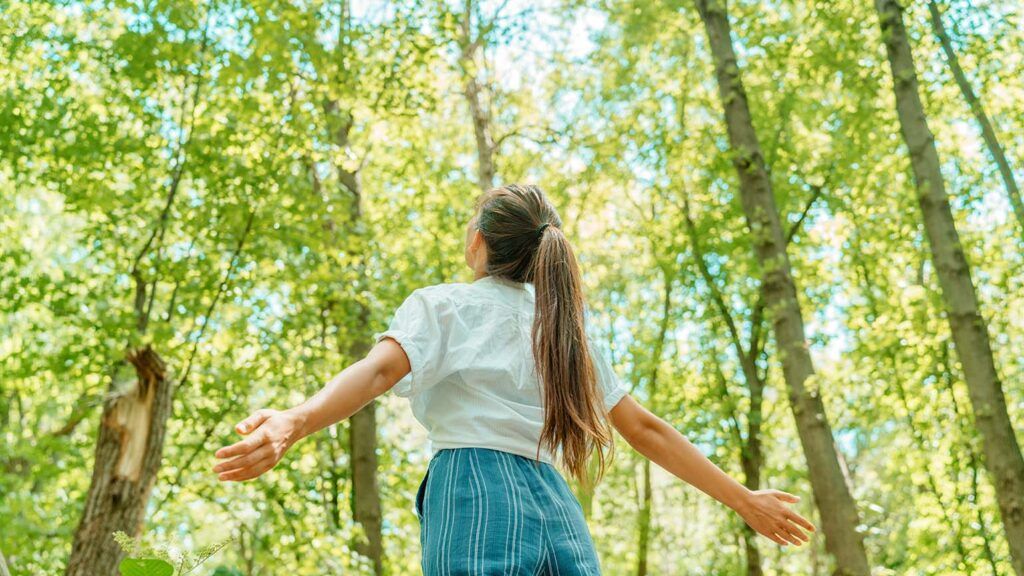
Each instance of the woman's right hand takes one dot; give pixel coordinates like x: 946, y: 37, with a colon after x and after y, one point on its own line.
x: 766, y: 512
x: 270, y: 433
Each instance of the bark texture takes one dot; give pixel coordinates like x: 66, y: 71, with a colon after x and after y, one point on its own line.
x: 988, y: 133
x: 470, y: 48
x: 751, y: 452
x: 366, y: 509
x: 128, y: 452
x: 366, y: 506
x: 890, y: 357
x: 643, y: 523
x: 365, y: 495
x: 831, y: 493
x: 1003, y: 458
x: 646, y: 514
x: 752, y: 460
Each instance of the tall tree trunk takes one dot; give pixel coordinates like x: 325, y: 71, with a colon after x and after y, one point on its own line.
x: 752, y: 458
x: 468, y: 60
x: 366, y: 508
x: 970, y: 334
x: 128, y: 452
x: 365, y: 496
x: 966, y: 502
x: 893, y: 374
x: 831, y: 494
x: 646, y: 506
x: 751, y: 450
x: 988, y: 133
x: 643, y: 523
x: 366, y: 505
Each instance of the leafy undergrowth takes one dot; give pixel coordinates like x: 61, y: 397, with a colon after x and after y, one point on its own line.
x: 161, y: 559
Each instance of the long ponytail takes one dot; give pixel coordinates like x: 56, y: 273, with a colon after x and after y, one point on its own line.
x: 525, y: 243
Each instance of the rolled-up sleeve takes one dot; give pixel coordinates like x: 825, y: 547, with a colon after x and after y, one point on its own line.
x: 419, y: 325
x: 608, y: 381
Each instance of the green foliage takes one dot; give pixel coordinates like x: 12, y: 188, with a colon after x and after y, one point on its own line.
x: 199, y: 150
x: 149, y: 558
x: 145, y: 567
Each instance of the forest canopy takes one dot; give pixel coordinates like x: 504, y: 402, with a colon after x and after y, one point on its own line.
x: 799, y: 225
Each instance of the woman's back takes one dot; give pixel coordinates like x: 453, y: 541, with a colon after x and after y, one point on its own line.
x: 473, y: 379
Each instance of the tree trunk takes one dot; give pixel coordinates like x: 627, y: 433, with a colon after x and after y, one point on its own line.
x: 970, y: 334
x: 643, y: 525
x: 366, y: 508
x: 894, y: 376
x: 966, y: 502
x: 988, y: 133
x: 646, y: 507
x: 128, y: 452
x: 485, y: 148
x: 752, y: 458
x: 130, y: 446
x: 365, y: 497
x: 751, y: 453
x: 831, y: 494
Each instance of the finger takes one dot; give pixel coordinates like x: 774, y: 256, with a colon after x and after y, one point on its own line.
x: 252, y: 422
x: 788, y: 535
x: 243, y: 447
x: 800, y: 520
x: 792, y: 539
x: 786, y: 496
x: 773, y: 537
x: 254, y: 471
x: 248, y: 473
x: 244, y: 461
x: 795, y: 534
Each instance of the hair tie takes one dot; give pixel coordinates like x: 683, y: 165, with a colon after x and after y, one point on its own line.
x: 542, y: 227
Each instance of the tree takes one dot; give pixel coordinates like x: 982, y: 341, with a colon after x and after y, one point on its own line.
x: 832, y: 495
x: 1003, y: 457
x: 470, y: 43
x: 988, y: 133
x: 129, y: 446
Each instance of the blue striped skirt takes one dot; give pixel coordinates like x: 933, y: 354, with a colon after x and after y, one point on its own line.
x: 485, y: 512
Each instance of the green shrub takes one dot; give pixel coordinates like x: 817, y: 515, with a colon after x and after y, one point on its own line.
x: 150, y: 559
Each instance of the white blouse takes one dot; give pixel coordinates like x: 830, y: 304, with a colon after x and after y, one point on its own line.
x: 473, y: 382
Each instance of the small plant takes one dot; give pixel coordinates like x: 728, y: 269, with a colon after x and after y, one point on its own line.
x: 148, y: 559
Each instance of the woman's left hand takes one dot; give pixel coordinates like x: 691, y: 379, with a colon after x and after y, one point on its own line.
x: 766, y: 512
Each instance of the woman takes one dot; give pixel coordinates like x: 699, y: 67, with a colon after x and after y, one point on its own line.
x: 508, y: 383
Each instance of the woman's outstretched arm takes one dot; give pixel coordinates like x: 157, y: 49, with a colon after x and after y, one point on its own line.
x: 270, y: 433
x: 662, y: 444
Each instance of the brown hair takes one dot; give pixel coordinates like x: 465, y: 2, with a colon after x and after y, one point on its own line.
x: 525, y: 243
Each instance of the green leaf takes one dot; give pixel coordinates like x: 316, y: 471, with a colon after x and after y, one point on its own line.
x: 145, y: 567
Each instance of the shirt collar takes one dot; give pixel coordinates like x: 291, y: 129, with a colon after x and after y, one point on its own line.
x: 491, y: 279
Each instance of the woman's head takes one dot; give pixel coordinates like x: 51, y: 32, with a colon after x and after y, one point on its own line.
x: 516, y: 234
x: 504, y: 235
